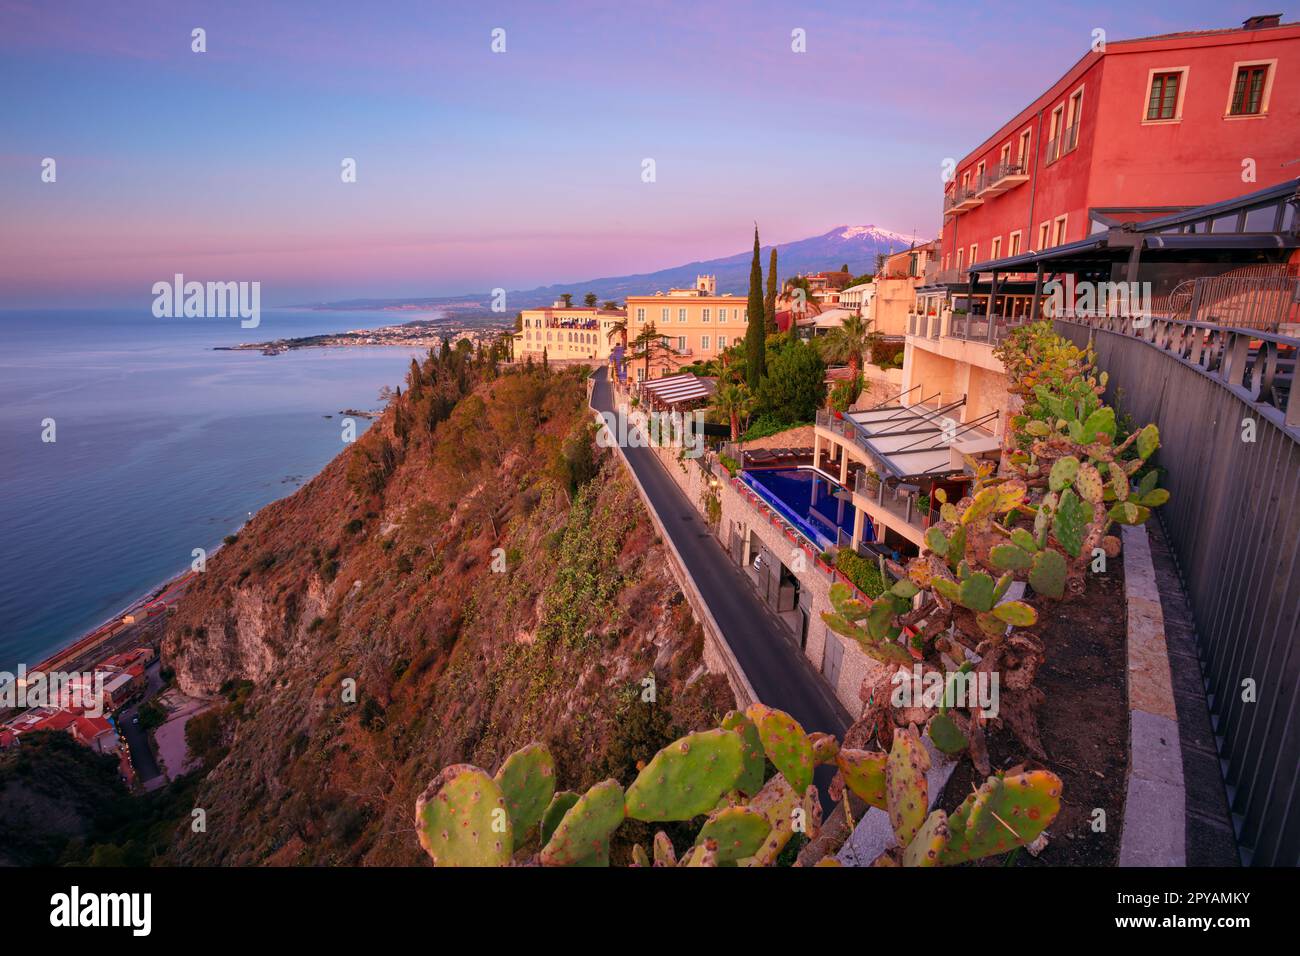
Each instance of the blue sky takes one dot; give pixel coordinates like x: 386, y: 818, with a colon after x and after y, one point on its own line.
x: 476, y: 169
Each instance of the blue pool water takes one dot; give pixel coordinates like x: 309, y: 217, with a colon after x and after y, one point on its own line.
x: 806, y: 500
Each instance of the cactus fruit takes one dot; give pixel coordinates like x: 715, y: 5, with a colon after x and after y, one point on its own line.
x: 907, y: 794
x: 864, y: 774
x: 527, y: 779
x: 687, y: 777
x: 458, y: 822
x: 665, y: 855
x: 825, y: 747
x: 554, y: 813
x: 753, y: 763
x: 785, y: 743
x: 929, y: 842
x: 582, y: 838
x: 738, y: 831
x: 1005, y: 813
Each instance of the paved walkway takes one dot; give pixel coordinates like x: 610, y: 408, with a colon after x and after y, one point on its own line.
x: 778, y: 671
x: 1210, y: 838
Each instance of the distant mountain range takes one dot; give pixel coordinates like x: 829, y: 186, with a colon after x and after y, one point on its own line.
x: 855, y: 245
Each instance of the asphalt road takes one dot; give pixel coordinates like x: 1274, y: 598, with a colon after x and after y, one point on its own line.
x: 780, y: 674
x: 137, y: 738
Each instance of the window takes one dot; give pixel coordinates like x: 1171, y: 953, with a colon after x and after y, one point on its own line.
x: 974, y: 252
x: 704, y: 342
x: 681, y: 343
x: 1057, y: 129
x: 1073, y: 120
x: 744, y: 316
x: 681, y: 315
x: 1022, y: 156
x: 1005, y: 159
x: 722, y: 341
x: 1058, y: 231
x: 640, y: 315
x: 664, y: 315
x: 979, y: 176
x: 959, y: 254
x: 705, y: 316
x: 1248, y: 90
x: 722, y: 315
x: 996, y: 251
x: 1044, y: 231
x: 1013, y: 243
x: 1162, y: 104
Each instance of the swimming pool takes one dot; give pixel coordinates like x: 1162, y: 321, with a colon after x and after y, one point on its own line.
x: 806, y: 500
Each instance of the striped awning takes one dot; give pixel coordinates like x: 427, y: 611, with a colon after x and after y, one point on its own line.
x: 678, y: 389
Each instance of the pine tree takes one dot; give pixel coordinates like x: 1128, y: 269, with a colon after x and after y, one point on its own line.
x: 769, y: 304
x: 756, y: 333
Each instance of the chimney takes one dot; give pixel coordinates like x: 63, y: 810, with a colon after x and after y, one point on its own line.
x: 1261, y: 21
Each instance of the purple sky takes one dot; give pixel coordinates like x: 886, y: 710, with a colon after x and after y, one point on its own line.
x: 476, y: 169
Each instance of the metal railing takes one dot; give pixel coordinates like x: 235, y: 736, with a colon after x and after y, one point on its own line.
x: 1235, y: 301
x: 1230, y: 453
x: 983, y: 328
x: 998, y: 173
x: 892, y: 500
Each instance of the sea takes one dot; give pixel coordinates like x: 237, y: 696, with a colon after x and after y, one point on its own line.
x: 162, y: 444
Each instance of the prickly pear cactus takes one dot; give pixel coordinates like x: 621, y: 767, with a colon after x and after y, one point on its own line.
x: 688, y: 777
x: 527, y: 780
x: 907, y: 794
x: 753, y: 761
x: 864, y: 774
x: 785, y: 744
x: 929, y: 843
x: 738, y: 831
x: 555, y: 811
x: 462, y: 819
x: 1005, y: 813
x: 582, y: 838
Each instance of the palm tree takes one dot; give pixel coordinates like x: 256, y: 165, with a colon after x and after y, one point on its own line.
x: 619, y: 328
x: 731, y: 402
x: 848, y: 342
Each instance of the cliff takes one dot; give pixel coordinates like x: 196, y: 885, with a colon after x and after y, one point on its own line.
x: 473, y: 574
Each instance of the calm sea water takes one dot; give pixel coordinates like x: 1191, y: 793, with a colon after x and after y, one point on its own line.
x: 163, y: 445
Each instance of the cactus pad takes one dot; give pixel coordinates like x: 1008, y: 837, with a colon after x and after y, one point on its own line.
x: 456, y: 822
x: 582, y: 838
x: 864, y: 774
x: 665, y: 855
x: 527, y: 779
x: 687, y: 777
x: 929, y: 842
x: 753, y: 763
x: 1047, y: 574
x: 554, y: 813
x: 738, y: 831
x: 1005, y: 813
x: 907, y: 794
x: 785, y: 743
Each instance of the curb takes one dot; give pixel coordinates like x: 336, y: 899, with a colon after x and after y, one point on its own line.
x: 1155, y: 797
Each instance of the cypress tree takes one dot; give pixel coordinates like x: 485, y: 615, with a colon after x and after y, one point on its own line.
x: 756, y: 333
x: 769, y: 304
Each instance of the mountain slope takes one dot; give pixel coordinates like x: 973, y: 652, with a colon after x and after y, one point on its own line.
x: 368, y: 631
x: 855, y: 245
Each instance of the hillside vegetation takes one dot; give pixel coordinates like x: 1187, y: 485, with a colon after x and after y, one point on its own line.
x: 472, y: 575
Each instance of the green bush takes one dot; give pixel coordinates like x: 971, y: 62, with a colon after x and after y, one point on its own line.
x: 863, y: 572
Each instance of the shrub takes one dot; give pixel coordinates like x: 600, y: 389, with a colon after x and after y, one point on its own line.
x: 864, y: 573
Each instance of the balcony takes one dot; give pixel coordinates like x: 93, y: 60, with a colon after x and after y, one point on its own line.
x: 926, y: 326
x: 1002, y: 177
x: 902, y: 502
x: 962, y: 200
x: 983, y: 328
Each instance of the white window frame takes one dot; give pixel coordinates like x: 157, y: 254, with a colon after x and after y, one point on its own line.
x: 1184, y: 75
x: 1263, y: 98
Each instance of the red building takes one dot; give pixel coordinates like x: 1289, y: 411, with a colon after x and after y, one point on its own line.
x: 1140, y: 129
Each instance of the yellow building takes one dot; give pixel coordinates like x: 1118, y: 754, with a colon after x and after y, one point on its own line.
x: 900, y: 276
x: 697, y: 324
x: 565, y: 332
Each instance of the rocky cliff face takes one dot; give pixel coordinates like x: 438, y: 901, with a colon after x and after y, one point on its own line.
x: 468, y: 578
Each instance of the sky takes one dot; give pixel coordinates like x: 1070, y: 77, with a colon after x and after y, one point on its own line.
x: 478, y: 169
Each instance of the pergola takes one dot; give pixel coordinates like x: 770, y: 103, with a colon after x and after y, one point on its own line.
x: 677, y: 391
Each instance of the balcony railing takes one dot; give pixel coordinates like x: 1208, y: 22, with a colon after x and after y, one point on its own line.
x: 962, y: 200
x: 894, y: 501
x: 925, y: 325
x: 1001, y: 178
x: 984, y: 328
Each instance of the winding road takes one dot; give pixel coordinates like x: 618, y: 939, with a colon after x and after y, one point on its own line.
x: 780, y: 674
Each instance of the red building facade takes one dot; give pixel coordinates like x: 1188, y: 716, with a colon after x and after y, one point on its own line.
x: 1138, y: 129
